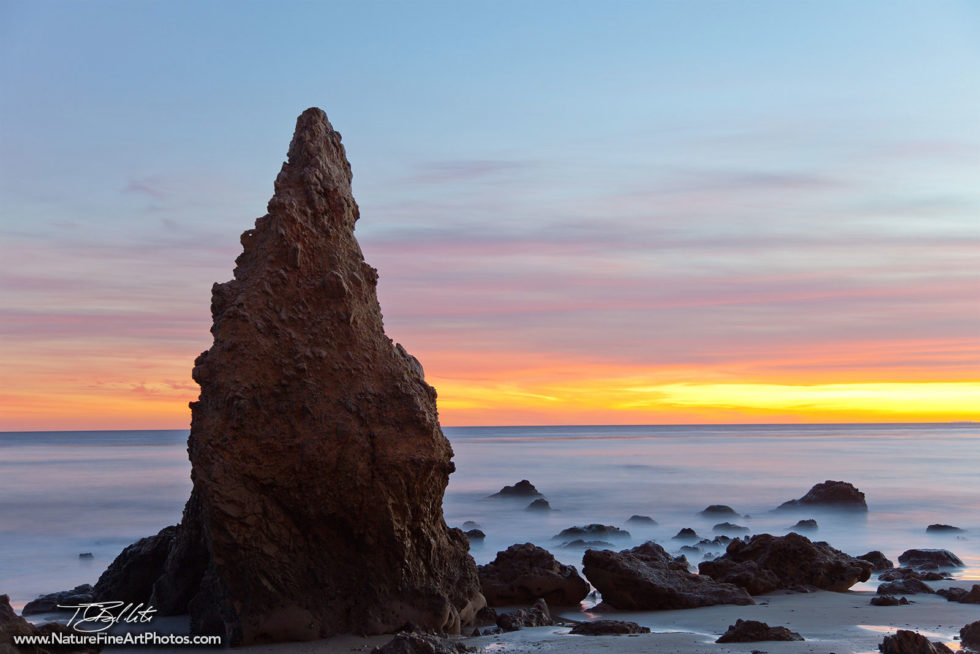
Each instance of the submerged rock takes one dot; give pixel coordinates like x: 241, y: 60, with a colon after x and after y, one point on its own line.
x: 520, y: 490
x: 938, y: 528
x: 718, y: 511
x: 753, y: 631
x: 929, y: 559
x: 523, y: 573
x: 830, y: 494
x: 766, y: 563
x: 910, y: 642
x: 686, y: 534
x: 539, y: 504
x: 805, y: 525
x: 592, y: 531
x: 729, y: 528
x: 641, y: 520
x: 646, y: 578
x: 475, y: 535
x: 608, y: 628
x: 318, y: 463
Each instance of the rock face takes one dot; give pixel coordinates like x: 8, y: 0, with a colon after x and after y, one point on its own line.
x: 753, y: 631
x: 523, y: 573
x: 318, y: 462
x: 130, y: 577
x: 830, y: 494
x: 766, y: 563
x: 645, y: 578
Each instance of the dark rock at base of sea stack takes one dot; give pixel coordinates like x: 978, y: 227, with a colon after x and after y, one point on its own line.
x: 910, y: 642
x: 753, y: 631
x: 523, y: 573
x: 646, y: 578
x: 766, y: 563
x: 53, y: 601
x: 12, y: 625
x: 831, y: 495
x: 131, y: 575
x: 608, y: 628
x: 318, y: 462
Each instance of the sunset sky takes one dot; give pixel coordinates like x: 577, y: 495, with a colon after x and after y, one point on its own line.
x: 581, y: 212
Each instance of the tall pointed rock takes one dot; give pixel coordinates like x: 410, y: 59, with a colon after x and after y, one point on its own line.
x: 317, y: 459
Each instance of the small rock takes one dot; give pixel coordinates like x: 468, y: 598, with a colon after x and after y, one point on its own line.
x: 49, y: 603
x: 86, y: 555
x: 592, y: 531
x: 521, y: 489
x: 537, y: 616
x: 475, y: 535
x: 579, y: 544
x: 539, y: 504
x: 641, y: 520
x: 942, y: 528
x: 607, y: 628
x: 805, y: 525
x: 888, y: 600
x: 753, y: 631
x: 686, y: 534
x: 877, y: 560
x: 730, y: 528
x: 718, y: 511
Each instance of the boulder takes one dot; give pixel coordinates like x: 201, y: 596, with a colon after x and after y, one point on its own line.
x: 910, y: 642
x: 939, y: 528
x: 12, y: 625
x: 413, y: 643
x: 897, y: 574
x: 830, y: 494
x: 521, y: 490
x: 686, y: 534
x: 537, y: 616
x: 608, y: 628
x: 646, y: 578
x: 805, y: 525
x: 970, y: 635
x: 592, y: 531
x: 877, y: 560
x: 888, y: 600
x: 130, y: 577
x: 909, y: 586
x: 318, y: 462
x: 641, y: 520
x: 765, y: 563
x: 718, y: 511
x: 539, y: 504
x: 961, y: 595
x: 929, y: 559
x: 580, y: 544
x: 475, y: 535
x: 51, y: 602
x: 753, y: 631
x: 523, y: 573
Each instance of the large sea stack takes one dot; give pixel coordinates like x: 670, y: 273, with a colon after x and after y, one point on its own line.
x: 317, y: 459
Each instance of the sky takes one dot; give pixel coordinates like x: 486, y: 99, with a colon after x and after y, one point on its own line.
x: 594, y: 212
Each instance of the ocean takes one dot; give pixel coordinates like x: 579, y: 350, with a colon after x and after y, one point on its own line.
x: 63, y: 494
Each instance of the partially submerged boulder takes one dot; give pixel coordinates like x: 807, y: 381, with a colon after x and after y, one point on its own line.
x: 766, y: 563
x: 753, y: 631
x: 641, y: 520
x: 538, y: 505
x: 539, y: 615
x: 521, y: 490
x: 594, y: 530
x: 830, y: 494
x: 877, y: 560
x: 53, y: 602
x: 523, y: 573
x: 718, y: 511
x: 909, y: 586
x: 942, y: 529
x: 12, y: 625
x: 929, y: 559
x: 646, y: 578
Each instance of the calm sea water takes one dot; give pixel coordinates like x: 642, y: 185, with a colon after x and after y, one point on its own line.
x: 65, y: 493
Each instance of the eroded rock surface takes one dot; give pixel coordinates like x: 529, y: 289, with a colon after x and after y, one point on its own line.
x: 318, y: 462
x: 646, y: 578
x: 766, y: 563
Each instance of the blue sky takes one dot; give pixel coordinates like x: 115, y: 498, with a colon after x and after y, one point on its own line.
x: 716, y: 186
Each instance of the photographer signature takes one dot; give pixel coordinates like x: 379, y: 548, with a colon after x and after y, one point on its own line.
x: 93, y: 617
